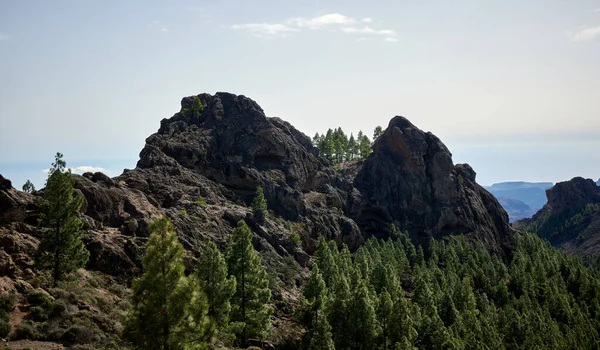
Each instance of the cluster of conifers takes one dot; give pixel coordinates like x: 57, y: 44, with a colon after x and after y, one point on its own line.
x: 336, y: 147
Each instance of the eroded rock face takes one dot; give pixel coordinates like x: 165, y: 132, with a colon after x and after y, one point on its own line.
x: 410, y: 180
x: 569, y: 197
x: 201, y: 171
x: 571, y: 218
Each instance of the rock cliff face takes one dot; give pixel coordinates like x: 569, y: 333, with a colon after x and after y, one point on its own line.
x: 571, y: 218
x: 201, y: 171
x: 410, y: 180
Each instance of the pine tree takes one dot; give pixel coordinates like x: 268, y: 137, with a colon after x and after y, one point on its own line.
x: 61, y: 248
x: 28, y: 187
x: 259, y: 203
x: 169, y: 311
x: 385, y: 309
x: 329, y: 146
x: 314, y: 298
x: 377, y: 132
x: 315, y: 140
x: 197, y: 107
x: 219, y: 288
x: 338, y: 310
x: 362, y: 317
x: 252, y: 294
x: 325, y: 259
x: 322, y: 338
x: 351, y: 152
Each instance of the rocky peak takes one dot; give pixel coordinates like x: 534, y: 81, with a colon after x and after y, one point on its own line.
x: 571, y: 218
x: 410, y: 180
x: 201, y: 169
x: 234, y: 144
x: 570, y: 196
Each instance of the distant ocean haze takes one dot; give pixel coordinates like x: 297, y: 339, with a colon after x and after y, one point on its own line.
x: 519, y: 198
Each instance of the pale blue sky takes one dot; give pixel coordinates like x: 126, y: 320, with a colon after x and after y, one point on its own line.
x: 511, y: 87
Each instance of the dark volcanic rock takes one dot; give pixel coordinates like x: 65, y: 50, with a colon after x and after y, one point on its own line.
x: 15, y: 205
x: 202, y: 172
x: 571, y: 218
x: 410, y: 180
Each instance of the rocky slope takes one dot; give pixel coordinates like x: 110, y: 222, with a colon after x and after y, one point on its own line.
x: 202, y: 172
x: 571, y: 218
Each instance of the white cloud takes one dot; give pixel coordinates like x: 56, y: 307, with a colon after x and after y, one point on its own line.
x: 587, y: 34
x: 265, y: 29
x: 87, y: 169
x: 159, y: 26
x: 82, y: 169
x: 390, y: 39
x: 368, y: 30
x: 596, y: 10
x: 338, y: 21
x: 317, y: 22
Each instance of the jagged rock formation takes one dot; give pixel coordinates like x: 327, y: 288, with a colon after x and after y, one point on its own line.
x: 571, y: 218
x: 201, y: 171
x: 410, y: 180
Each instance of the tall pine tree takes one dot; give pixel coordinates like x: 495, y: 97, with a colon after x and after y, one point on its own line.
x: 259, y: 203
x: 250, y: 301
x: 61, y: 248
x: 169, y: 311
x: 219, y: 288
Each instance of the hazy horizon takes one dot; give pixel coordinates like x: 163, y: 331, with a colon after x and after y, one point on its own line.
x: 510, y: 87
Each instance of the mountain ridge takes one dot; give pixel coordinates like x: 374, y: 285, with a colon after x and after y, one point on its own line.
x: 571, y: 218
x: 201, y: 170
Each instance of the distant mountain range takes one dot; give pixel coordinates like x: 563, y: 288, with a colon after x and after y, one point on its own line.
x: 520, y: 199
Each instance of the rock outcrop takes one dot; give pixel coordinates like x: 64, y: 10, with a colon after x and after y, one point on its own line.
x: 571, y: 218
x: 410, y: 180
x: 201, y: 170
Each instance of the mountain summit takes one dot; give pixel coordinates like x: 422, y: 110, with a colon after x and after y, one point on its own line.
x: 202, y: 167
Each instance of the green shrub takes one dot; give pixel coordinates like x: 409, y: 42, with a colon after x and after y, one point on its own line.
x: 201, y: 202
x: 183, y: 212
x: 117, y: 289
x: 5, y: 329
x: 7, y: 302
x: 38, y: 314
x: 39, y: 298
x: 26, y: 330
x: 4, y: 316
x: 296, y: 237
x: 78, y: 334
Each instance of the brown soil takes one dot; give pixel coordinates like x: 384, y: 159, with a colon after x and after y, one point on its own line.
x: 33, y: 345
